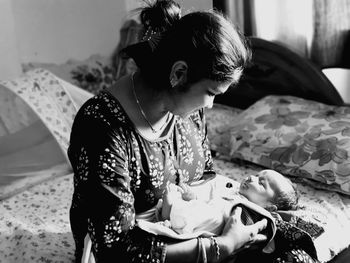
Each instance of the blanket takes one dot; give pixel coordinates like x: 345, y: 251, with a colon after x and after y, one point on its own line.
x: 287, y: 242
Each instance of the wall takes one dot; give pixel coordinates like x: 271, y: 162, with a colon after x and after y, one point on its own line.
x: 53, y: 31
x: 56, y: 30
x: 195, y: 4
x: 186, y: 5
x: 9, y: 57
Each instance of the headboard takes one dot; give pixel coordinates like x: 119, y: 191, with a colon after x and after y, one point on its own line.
x: 275, y: 69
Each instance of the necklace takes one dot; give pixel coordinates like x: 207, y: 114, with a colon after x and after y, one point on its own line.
x: 143, y: 113
x: 173, y: 156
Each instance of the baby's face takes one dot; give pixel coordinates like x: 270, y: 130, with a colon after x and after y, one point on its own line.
x: 261, y: 188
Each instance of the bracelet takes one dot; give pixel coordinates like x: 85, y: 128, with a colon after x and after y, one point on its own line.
x: 214, y: 244
x: 163, y: 256
x: 199, y: 250
x: 204, y: 252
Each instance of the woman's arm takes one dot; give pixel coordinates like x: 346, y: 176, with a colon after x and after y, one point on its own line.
x: 103, y: 203
x: 185, y: 252
x: 235, y: 237
x: 188, y: 251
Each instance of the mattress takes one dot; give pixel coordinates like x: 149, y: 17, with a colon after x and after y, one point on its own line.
x: 34, y: 224
x: 327, y: 209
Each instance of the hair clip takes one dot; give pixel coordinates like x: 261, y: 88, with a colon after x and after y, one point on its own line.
x: 153, y: 37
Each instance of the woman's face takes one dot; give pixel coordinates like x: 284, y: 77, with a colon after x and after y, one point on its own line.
x: 192, y: 97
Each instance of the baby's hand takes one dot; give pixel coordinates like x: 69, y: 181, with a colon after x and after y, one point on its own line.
x: 187, y: 193
x: 165, y: 223
x: 171, y: 194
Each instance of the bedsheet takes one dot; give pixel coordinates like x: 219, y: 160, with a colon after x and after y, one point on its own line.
x: 326, y: 209
x: 34, y: 224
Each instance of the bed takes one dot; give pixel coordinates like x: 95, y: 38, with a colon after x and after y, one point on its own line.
x: 34, y: 206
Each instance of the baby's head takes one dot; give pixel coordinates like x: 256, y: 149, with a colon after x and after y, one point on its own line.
x: 270, y: 190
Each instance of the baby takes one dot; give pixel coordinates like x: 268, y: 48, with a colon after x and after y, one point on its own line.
x: 185, y: 211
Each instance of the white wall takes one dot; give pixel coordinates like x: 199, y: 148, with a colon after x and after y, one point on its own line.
x: 53, y: 31
x: 9, y: 57
x: 56, y: 30
x: 195, y: 4
x: 186, y: 5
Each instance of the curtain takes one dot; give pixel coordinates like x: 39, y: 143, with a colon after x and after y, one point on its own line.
x: 331, y: 41
x: 315, y: 29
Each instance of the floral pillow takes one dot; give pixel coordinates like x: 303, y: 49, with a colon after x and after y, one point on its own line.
x: 93, y: 74
x: 307, y: 140
x: 220, y: 119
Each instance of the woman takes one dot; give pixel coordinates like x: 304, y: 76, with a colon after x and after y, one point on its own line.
x: 148, y: 129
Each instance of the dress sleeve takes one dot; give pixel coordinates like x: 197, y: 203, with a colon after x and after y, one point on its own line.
x: 102, y: 182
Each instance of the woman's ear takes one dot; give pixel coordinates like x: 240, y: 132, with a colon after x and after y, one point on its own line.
x: 178, y: 73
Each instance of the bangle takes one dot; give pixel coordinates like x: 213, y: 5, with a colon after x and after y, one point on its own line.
x: 204, y: 252
x: 163, y: 253
x: 199, y: 250
x: 214, y: 244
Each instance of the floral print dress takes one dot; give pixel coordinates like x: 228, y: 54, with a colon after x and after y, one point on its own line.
x: 119, y: 174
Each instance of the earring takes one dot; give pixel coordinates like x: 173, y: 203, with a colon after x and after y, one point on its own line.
x: 172, y: 82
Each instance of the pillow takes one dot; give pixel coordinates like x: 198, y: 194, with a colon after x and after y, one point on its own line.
x: 220, y: 118
x: 304, y: 139
x: 92, y: 74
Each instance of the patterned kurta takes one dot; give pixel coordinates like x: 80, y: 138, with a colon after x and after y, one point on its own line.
x: 118, y: 174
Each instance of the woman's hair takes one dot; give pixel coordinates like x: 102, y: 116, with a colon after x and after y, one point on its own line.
x: 209, y: 43
x: 160, y: 15
x: 287, y: 200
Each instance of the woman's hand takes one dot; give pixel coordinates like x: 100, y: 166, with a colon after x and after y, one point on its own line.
x: 237, y: 236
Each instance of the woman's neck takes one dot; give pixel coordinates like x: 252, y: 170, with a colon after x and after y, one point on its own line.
x: 153, y: 120
x: 151, y: 102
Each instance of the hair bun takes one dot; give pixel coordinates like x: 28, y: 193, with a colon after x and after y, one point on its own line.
x: 160, y: 15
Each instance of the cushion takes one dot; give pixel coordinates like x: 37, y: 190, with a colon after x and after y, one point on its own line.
x: 307, y: 140
x: 220, y: 118
x: 92, y: 74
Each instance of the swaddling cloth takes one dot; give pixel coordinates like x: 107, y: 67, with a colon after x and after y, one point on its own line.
x: 197, y: 215
x: 206, y: 215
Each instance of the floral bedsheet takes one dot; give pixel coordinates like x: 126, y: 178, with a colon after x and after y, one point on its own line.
x: 326, y: 209
x: 34, y: 225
